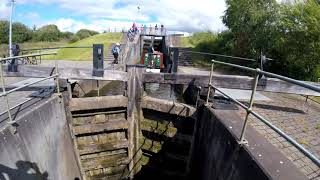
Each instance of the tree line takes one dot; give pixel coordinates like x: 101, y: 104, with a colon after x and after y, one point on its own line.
x: 288, y: 32
x: 49, y: 33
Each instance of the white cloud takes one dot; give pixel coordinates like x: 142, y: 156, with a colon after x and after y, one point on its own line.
x: 4, y: 10
x: 176, y: 15
x: 97, y: 25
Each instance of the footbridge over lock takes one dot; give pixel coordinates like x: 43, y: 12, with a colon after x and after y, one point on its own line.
x: 135, y: 136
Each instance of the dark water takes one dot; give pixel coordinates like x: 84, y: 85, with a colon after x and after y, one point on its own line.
x: 161, y: 91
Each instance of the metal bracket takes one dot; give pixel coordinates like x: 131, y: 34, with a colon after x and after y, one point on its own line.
x: 13, y: 126
x: 244, y: 142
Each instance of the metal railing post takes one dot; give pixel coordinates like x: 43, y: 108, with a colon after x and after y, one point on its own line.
x: 249, y: 109
x: 11, y: 122
x: 69, y: 89
x: 57, y: 79
x: 209, y: 85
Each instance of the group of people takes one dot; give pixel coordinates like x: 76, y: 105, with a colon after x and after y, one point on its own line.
x: 143, y: 29
x: 133, y: 31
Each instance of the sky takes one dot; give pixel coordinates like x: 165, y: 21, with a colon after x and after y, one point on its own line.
x: 104, y: 15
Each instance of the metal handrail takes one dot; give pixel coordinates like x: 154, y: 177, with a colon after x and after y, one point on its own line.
x: 61, y: 47
x: 28, y: 55
x: 250, y: 111
x: 28, y: 84
x: 290, y: 80
x: 220, y: 55
x: 6, y: 93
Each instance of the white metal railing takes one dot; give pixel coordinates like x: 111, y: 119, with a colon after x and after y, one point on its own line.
x: 5, y: 93
x: 251, y: 102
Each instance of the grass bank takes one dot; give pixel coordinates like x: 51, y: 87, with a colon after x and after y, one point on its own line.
x: 85, y: 54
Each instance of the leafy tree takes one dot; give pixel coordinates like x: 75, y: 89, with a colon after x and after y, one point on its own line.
x: 252, y: 22
x: 74, y: 38
x: 297, y: 42
x: 4, y: 32
x: 84, y: 33
x: 20, y: 32
x: 48, y: 33
x: 67, y: 35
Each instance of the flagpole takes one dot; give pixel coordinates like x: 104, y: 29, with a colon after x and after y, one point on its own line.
x: 10, y: 28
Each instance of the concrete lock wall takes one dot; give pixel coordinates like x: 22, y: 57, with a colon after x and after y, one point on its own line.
x: 42, y: 147
x: 217, y: 154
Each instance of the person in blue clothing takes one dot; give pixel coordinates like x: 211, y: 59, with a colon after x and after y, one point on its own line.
x: 115, y: 52
x: 145, y: 29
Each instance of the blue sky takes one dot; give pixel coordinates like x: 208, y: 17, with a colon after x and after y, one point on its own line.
x: 100, y: 15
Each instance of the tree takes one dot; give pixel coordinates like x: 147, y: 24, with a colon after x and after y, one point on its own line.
x: 20, y: 32
x: 67, y: 35
x: 84, y: 33
x: 252, y: 22
x: 297, y: 44
x: 4, y: 32
x: 48, y: 33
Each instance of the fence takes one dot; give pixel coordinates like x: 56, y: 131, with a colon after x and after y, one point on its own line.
x: 26, y: 57
x: 251, y: 102
x: 40, y: 51
x: 5, y: 93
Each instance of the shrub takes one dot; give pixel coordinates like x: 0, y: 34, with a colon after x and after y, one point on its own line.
x: 84, y: 33
x: 48, y: 33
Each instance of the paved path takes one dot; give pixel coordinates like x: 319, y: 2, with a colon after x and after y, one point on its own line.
x: 298, y: 119
x: 193, y: 70
x: 71, y: 64
x: 21, y: 96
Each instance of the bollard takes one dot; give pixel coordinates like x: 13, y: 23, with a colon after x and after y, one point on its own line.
x: 98, y: 67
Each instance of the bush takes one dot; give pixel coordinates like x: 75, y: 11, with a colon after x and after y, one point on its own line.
x: 20, y: 32
x: 84, y: 33
x: 200, y: 37
x: 74, y: 38
x: 48, y: 33
x: 4, y: 32
x: 67, y: 35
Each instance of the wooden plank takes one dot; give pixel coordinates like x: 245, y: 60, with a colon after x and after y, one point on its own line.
x: 96, y: 148
x: 103, y: 102
x: 86, y: 74
x: 104, y: 162
x: 134, y: 93
x: 230, y: 82
x: 105, y: 173
x: 102, y: 127
x: 167, y: 106
x: 65, y: 73
x: 97, y: 118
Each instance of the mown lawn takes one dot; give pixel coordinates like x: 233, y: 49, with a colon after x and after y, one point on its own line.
x: 85, y: 54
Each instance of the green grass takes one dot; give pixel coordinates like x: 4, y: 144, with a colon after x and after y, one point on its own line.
x: 315, y: 98
x: 185, y: 42
x: 84, y: 54
x: 31, y: 45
